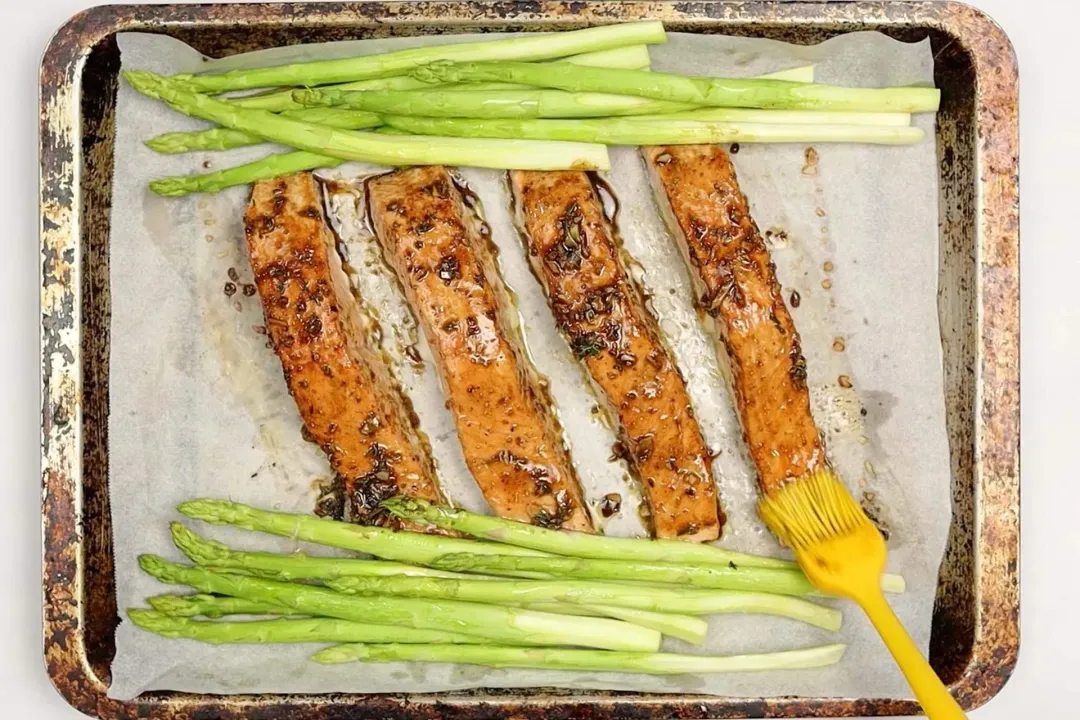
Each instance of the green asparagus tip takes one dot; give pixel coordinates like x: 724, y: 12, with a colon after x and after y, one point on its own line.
x: 312, y: 98
x: 171, y: 187
x: 146, y: 82
x: 152, y: 620
x: 159, y: 568
x: 336, y: 655
x: 216, y: 512
x: 405, y: 507
x: 181, y: 80
x: 435, y: 72
x: 176, y: 605
x: 345, y: 586
x: 200, y: 550
x: 169, y: 143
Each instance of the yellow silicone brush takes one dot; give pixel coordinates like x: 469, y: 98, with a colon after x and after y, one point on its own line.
x: 844, y: 554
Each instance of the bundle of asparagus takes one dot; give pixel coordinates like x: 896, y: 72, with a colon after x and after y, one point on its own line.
x: 544, y: 598
x: 542, y: 102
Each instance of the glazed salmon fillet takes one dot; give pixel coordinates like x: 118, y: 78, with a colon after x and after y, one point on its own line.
x: 602, y: 314
x: 344, y: 391
x: 511, y: 440
x: 736, y: 280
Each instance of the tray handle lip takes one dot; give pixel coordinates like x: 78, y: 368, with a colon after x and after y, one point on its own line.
x: 995, y: 649
x: 997, y: 642
x: 996, y: 645
x: 64, y: 652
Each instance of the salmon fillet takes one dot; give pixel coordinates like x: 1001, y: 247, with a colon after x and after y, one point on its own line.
x: 511, y: 441
x: 601, y: 312
x: 737, y: 283
x: 344, y: 391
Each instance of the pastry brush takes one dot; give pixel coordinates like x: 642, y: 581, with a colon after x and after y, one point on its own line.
x: 843, y: 554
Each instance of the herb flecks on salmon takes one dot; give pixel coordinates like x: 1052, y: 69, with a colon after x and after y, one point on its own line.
x: 736, y: 281
x: 511, y: 440
x: 601, y: 311
x: 346, y: 397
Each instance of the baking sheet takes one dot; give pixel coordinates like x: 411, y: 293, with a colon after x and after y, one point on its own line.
x: 199, y: 406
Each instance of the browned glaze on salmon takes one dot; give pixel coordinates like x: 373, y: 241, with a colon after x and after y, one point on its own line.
x: 511, y: 441
x: 344, y: 391
x: 600, y: 310
x: 738, y: 288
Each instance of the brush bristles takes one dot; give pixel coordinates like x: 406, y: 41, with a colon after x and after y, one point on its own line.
x: 813, y: 509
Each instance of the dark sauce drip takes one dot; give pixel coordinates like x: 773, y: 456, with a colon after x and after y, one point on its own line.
x: 604, y: 191
x: 468, y: 195
x: 331, y: 500
x: 372, y: 489
x: 471, y: 200
x: 610, y: 504
x: 358, y: 191
x: 645, y: 515
x: 554, y: 519
x: 607, y: 196
x: 512, y: 206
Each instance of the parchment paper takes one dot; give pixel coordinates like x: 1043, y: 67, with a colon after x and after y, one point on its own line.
x: 200, y: 408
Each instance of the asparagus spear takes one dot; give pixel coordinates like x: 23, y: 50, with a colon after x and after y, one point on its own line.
x: 464, y: 102
x: 558, y: 659
x: 501, y: 624
x: 544, y: 46
x: 513, y: 533
x: 295, y: 566
x: 270, y: 166
x: 226, y: 139
x: 630, y: 57
x: 407, y: 547
x: 588, y: 592
x: 211, y: 606
x: 685, y: 627
x: 766, y: 580
x: 283, y: 630
x: 787, y: 117
x: 282, y: 100
x: 703, y: 91
x: 371, y: 147
x: 634, y: 57
x: 655, y: 131
x: 755, y: 579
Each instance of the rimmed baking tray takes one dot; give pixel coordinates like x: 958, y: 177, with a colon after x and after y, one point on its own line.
x: 975, y: 632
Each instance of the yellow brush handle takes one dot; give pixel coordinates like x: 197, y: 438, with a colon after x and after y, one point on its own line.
x: 931, y: 692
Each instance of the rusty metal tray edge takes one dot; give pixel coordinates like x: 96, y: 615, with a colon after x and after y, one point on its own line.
x: 987, y: 376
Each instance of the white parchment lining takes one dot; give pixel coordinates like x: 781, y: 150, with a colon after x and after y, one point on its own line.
x: 200, y: 408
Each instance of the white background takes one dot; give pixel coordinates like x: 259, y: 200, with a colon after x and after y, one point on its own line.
x: 1045, y: 685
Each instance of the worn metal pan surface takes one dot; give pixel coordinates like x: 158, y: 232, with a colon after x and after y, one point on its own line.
x: 975, y: 632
